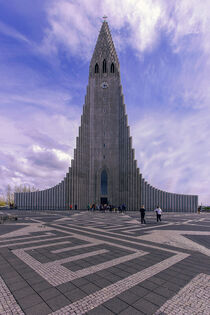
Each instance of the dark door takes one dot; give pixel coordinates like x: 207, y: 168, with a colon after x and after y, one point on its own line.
x: 104, y: 200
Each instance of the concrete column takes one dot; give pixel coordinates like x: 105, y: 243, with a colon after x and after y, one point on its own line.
x: 142, y: 191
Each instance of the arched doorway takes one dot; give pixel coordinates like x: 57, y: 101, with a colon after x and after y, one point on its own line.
x: 104, y: 187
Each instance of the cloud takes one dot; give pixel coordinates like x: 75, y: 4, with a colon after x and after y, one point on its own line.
x: 36, y: 150
x: 11, y: 32
x: 74, y: 25
x: 171, y: 150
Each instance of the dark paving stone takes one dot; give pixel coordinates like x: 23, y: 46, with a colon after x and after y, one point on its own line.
x: 165, y: 292
x: 116, y: 305
x: 129, y: 297
x: 139, y: 291
x: 39, y: 309
x: 49, y: 293
x: 75, y: 295
x: 80, y: 282
x: 69, y: 286
x: 57, y: 302
x: 131, y: 311
x: 24, y: 292
x: 145, y: 306
x: 155, y: 298
x: 41, y: 286
x: 31, y: 300
x: 9, y: 228
x: 149, y: 285
x: 17, y: 285
x: 100, y: 310
x: 90, y: 288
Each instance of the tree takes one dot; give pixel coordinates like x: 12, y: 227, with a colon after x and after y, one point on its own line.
x: 10, y: 195
x: 2, y: 201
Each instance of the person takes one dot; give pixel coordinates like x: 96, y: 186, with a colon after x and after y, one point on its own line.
x: 158, y: 213
x: 142, y: 212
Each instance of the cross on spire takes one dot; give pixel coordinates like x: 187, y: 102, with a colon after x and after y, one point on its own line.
x: 105, y: 17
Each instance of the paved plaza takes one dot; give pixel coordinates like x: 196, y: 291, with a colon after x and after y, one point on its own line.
x: 82, y: 262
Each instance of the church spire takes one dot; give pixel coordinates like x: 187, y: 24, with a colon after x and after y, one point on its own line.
x: 104, y: 49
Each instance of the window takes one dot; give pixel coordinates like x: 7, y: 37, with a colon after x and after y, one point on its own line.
x: 112, y: 68
x: 96, y: 68
x: 104, y: 66
x: 104, y: 182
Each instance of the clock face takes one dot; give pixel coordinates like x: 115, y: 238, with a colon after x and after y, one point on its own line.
x: 104, y: 85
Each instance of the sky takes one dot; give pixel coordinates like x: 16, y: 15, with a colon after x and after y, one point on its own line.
x: 164, y: 53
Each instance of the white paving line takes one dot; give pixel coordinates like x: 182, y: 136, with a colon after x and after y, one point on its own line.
x: 56, y: 274
x: 36, y: 241
x: 27, y: 229
x: 8, y: 305
x: 193, y: 299
x: 76, y: 257
x: 67, y: 249
x: 44, y: 245
x: 115, y: 238
x: 140, y: 228
x: 177, y: 238
x: 94, y: 300
x: 28, y: 237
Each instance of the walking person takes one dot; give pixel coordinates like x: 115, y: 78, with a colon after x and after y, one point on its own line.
x: 158, y: 213
x: 142, y: 212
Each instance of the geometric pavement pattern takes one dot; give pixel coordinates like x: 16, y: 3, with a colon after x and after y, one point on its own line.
x: 79, y: 262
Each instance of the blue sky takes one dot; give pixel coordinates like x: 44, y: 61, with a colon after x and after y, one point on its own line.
x: 164, y: 53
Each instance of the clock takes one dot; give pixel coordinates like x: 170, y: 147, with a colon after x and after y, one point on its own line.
x: 104, y: 85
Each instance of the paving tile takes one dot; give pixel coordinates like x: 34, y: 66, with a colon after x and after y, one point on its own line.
x: 139, y: 291
x: 145, y: 306
x: 57, y: 302
x: 69, y: 286
x: 116, y: 305
x: 29, y: 301
x: 100, y: 310
x: 149, y: 285
x: 131, y: 311
x: 75, y: 295
x: 24, y: 292
x: 90, y: 288
x: 49, y: 293
x: 38, y: 309
x: 40, y: 286
x: 129, y: 297
x: 155, y: 298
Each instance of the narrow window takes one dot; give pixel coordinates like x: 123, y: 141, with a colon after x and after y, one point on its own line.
x: 104, y: 66
x: 104, y: 182
x: 112, y: 68
x: 96, y: 68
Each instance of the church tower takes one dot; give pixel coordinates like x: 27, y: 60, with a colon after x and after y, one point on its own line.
x: 104, y: 169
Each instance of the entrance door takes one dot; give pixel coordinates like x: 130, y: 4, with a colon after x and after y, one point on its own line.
x: 104, y: 201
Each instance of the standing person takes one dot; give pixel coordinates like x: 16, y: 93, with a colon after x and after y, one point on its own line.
x: 158, y: 213
x: 142, y: 212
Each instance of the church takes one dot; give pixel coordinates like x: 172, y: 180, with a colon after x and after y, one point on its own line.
x: 104, y: 169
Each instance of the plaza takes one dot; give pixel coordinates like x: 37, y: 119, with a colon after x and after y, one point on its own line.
x: 83, y: 262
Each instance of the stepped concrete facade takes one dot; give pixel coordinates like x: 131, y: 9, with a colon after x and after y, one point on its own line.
x: 104, y: 169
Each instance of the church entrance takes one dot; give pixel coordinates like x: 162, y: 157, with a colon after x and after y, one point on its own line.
x: 104, y: 201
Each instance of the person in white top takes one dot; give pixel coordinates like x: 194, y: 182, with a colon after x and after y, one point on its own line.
x: 158, y: 213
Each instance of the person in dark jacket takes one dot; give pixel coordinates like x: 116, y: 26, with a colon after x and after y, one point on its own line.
x: 142, y: 212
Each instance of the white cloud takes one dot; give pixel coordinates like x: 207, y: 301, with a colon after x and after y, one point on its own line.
x: 75, y: 25
x: 36, y: 150
x: 9, y: 31
x: 173, y: 156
